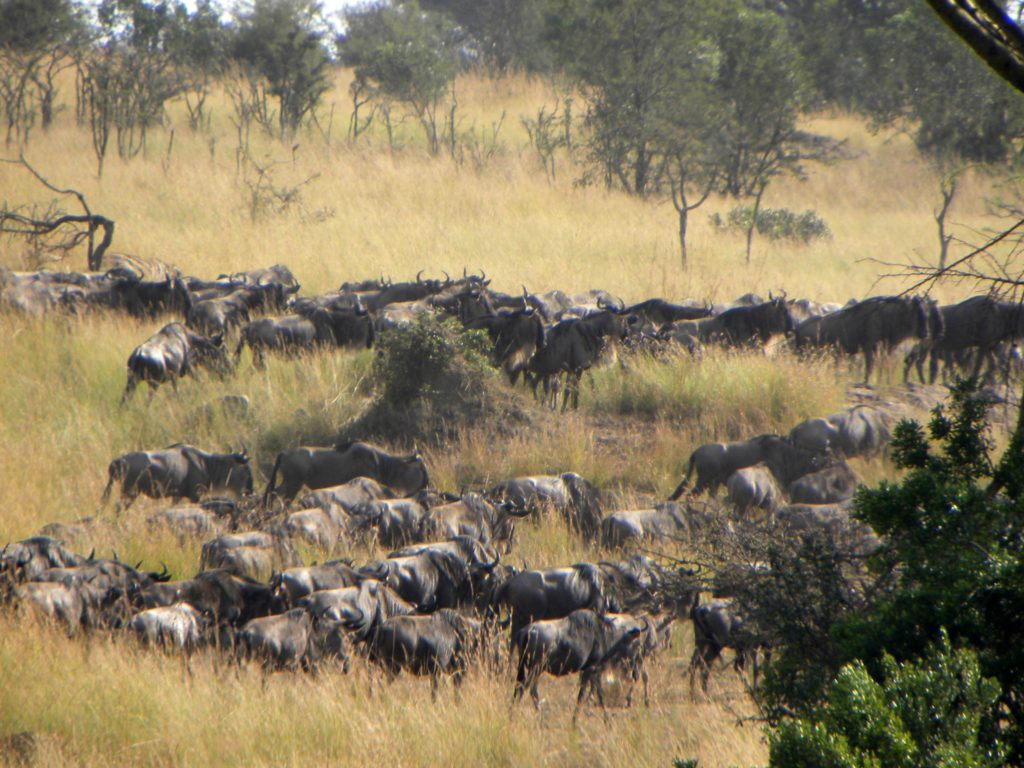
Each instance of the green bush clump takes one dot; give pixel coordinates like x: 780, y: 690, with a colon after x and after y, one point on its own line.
x: 775, y: 223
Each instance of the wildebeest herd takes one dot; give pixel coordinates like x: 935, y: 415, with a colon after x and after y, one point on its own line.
x: 442, y: 597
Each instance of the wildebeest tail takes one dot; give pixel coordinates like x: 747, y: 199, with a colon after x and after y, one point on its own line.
x: 115, y: 471
x: 270, y: 482
x: 586, y: 503
x: 684, y: 483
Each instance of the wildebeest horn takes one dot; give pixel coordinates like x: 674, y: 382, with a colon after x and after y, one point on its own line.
x: 483, y: 276
x: 601, y: 303
x: 447, y: 277
x: 138, y: 565
x: 91, y: 554
x: 418, y: 274
x: 770, y: 297
x: 464, y: 275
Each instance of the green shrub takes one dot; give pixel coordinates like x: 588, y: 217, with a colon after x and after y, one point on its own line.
x: 775, y: 223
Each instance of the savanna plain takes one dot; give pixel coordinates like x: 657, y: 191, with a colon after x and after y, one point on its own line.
x: 367, y: 210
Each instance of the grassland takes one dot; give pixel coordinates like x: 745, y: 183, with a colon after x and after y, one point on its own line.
x: 369, y: 211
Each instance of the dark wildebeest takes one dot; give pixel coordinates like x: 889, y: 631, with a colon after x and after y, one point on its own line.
x: 555, y: 593
x: 169, y: 354
x: 221, y: 314
x: 575, y: 499
x: 398, y: 293
x: 830, y: 485
x: 573, y: 347
x: 715, y: 462
x: 753, y: 488
x: 68, y: 604
x: 429, y: 580
x: 318, y: 328
x: 187, y: 522
x: 976, y: 325
x: 436, y: 644
x: 293, y: 584
x: 660, y: 312
x: 832, y: 520
x: 477, y: 556
x: 392, y: 522
x: 862, y: 430
x: 342, y: 499
x: 666, y: 521
x: 317, y: 526
x: 249, y: 553
x: 584, y: 641
x: 181, y: 471
x: 148, y: 298
x: 285, y: 641
x: 316, y: 468
x: 717, y: 626
x: 881, y: 322
x: 744, y: 326
x: 229, y: 599
x: 516, y: 336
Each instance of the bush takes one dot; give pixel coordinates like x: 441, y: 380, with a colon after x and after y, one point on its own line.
x: 925, y: 713
x: 776, y: 223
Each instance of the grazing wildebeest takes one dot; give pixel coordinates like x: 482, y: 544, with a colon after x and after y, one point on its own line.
x: 178, y: 627
x: 585, y: 641
x: 475, y: 554
x: 342, y: 499
x: 250, y: 553
x: 429, y: 580
x: 832, y: 520
x: 187, y: 522
x: 392, y: 522
x: 666, y: 521
x: 577, y: 500
x: 219, y: 315
x: 746, y: 325
x: 862, y: 430
x: 181, y: 471
x: 317, y: 526
x: 881, y: 322
x: 169, y: 354
x: 752, y: 488
x: 148, y: 298
x: 655, y: 634
x: 715, y: 462
x: 64, y: 603
x: 316, y: 468
x: 830, y: 485
x: 555, y: 593
x: 229, y: 599
x: 717, y: 626
x: 435, y: 644
x: 292, y: 584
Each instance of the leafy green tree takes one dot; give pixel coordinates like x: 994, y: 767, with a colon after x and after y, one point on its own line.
x: 922, y: 714
x: 282, y: 41
x: 403, y: 55
x: 509, y: 34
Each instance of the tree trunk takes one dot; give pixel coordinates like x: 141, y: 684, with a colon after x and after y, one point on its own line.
x: 684, y: 215
x: 753, y: 218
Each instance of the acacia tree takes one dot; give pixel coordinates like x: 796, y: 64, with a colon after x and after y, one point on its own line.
x: 403, y: 55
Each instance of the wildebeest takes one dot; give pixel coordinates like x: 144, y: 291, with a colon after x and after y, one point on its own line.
x: 715, y: 462
x: 516, y: 336
x: 391, y: 522
x: 436, y: 644
x: 293, y: 584
x: 229, y: 599
x: 429, y: 580
x: 584, y: 641
x: 745, y: 325
x: 67, y: 604
x: 573, y: 347
x: 180, y: 471
x: 148, y: 298
x: 832, y: 520
x: 317, y: 327
x: 830, y: 485
x: 659, y: 312
x: 187, y: 522
x: 555, y: 593
x: 342, y: 499
x: 475, y: 554
x: 881, y: 322
x: 472, y: 516
x: 169, y: 354
x: 25, y: 560
x: 316, y: 468
x: 178, y: 627
x: 316, y: 526
x: 752, y: 488
x: 285, y: 641
x: 357, y: 606
x: 665, y: 521
x: 577, y: 500
x: 862, y: 430
x: 717, y: 626
x: 977, y: 325
x: 252, y: 553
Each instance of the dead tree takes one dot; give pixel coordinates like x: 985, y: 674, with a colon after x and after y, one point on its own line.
x: 52, y: 230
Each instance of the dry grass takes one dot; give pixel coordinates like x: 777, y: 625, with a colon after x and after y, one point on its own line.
x: 373, y: 211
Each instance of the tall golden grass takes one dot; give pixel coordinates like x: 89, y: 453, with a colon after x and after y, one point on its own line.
x: 374, y: 210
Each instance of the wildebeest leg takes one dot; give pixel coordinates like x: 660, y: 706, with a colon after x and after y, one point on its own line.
x: 129, y: 388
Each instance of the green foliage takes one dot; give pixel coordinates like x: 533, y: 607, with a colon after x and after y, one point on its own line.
x: 776, y: 223
x: 280, y: 40
x: 34, y: 25
x: 509, y: 34
x: 923, y: 714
